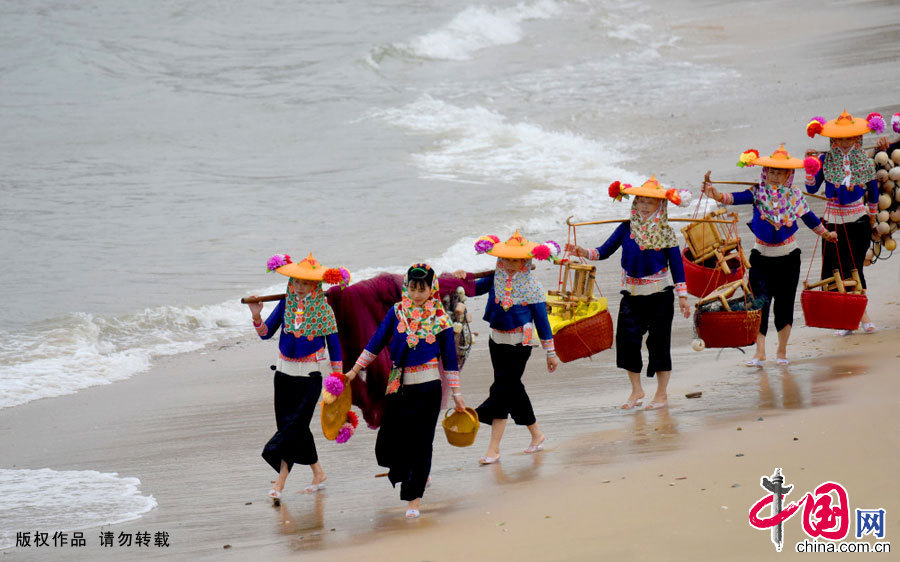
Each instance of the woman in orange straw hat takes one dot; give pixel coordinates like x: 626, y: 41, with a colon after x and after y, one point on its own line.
x: 775, y: 259
x: 850, y: 183
x: 418, y: 332
x: 650, y: 255
x: 306, y: 325
x: 516, y: 306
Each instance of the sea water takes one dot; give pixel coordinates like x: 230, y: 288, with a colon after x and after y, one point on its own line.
x: 154, y: 155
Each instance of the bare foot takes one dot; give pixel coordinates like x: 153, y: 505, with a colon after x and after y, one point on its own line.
x: 490, y: 457
x: 537, y: 444
x: 659, y: 401
x: 491, y: 453
x: 634, y: 400
x: 318, y: 483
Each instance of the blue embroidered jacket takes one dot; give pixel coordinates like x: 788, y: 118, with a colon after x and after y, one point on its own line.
x: 423, y: 353
x: 517, y: 316
x: 845, y: 196
x: 766, y: 231
x: 643, y: 267
x: 296, y: 347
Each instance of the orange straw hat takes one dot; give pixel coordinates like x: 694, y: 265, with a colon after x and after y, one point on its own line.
x: 845, y: 126
x: 517, y: 247
x: 781, y: 158
x: 650, y: 188
x: 309, y: 269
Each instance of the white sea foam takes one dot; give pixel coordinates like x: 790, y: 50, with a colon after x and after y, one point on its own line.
x: 476, y: 28
x: 477, y: 144
x: 82, y: 350
x: 48, y: 500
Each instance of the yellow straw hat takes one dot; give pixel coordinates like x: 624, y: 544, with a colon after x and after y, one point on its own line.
x: 334, y: 414
x: 845, y: 125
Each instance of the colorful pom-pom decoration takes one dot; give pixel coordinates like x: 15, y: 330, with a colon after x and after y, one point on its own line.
x: 484, y: 244
x: 686, y: 197
x: 328, y: 397
x: 814, y: 127
x: 332, y: 276
x: 555, y: 249
x: 673, y: 196
x: 895, y: 122
x: 875, y: 122
x: 277, y: 261
x: 349, y: 428
x: 748, y: 157
x: 614, y: 189
x: 333, y: 385
x: 541, y: 252
x: 812, y: 165
x: 345, y: 433
x: 617, y: 190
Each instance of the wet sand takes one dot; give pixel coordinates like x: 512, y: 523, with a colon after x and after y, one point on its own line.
x: 193, y: 427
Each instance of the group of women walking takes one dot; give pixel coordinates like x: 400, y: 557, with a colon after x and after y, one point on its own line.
x: 418, y: 332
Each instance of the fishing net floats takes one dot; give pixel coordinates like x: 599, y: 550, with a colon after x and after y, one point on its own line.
x: 887, y: 220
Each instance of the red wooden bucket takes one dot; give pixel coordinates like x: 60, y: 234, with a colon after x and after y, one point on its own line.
x: 829, y: 309
x: 701, y: 281
x: 728, y: 328
x: 584, y: 338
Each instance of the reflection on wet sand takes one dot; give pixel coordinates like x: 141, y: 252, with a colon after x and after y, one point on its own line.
x: 504, y: 476
x: 647, y: 432
x: 366, y: 508
x: 791, y: 393
x: 305, y: 523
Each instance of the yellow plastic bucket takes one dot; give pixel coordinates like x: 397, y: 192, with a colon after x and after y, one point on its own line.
x: 460, y: 427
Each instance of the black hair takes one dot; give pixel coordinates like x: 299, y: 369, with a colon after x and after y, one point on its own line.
x: 420, y: 275
x: 418, y: 284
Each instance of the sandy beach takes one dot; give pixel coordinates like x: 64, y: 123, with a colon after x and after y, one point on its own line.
x: 673, y: 484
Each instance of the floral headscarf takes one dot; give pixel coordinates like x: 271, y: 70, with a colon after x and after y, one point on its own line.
x: 308, y: 316
x: 519, y: 288
x: 850, y: 169
x: 780, y: 205
x: 421, y: 322
x: 654, y: 232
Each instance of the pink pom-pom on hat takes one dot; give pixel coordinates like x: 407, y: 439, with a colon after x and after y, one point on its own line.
x: 876, y: 123
x: 895, y: 122
x: 541, y: 252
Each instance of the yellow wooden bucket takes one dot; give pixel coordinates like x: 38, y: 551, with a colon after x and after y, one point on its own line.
x: 460, y: 427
